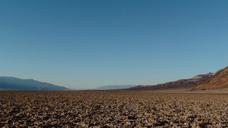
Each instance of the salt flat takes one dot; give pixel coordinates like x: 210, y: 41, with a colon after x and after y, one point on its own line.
x: 113, y: 109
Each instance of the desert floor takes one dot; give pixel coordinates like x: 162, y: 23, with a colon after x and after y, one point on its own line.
x: 113, y: 109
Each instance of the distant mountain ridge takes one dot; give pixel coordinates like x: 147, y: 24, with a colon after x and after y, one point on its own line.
x: 114, y: 87
x: 179, y: 84
x: 13, y: 83
x: 210, y: 81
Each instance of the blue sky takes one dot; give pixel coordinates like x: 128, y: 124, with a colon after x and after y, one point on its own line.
x: 89, y: 43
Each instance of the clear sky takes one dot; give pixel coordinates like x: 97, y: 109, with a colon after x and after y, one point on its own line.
x: 89, y: 43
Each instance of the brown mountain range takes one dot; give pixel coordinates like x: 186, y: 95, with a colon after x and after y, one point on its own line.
x: 179, y: 84
x: 218, y: 80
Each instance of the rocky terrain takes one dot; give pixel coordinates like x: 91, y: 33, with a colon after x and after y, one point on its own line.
x: 115, y: 109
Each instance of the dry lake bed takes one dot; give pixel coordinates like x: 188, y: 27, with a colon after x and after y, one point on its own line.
x: 114, y: 109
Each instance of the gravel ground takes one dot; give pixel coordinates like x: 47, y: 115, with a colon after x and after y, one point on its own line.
x: 112, y: 109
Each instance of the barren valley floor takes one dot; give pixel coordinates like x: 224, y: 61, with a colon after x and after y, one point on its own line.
x: 113, y: 109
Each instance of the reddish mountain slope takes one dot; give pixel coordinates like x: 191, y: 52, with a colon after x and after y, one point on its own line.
x: 217, y: 81
x: 180, y: 84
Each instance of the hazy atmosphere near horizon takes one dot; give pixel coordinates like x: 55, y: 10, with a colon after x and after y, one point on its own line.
x: 83, y: 44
